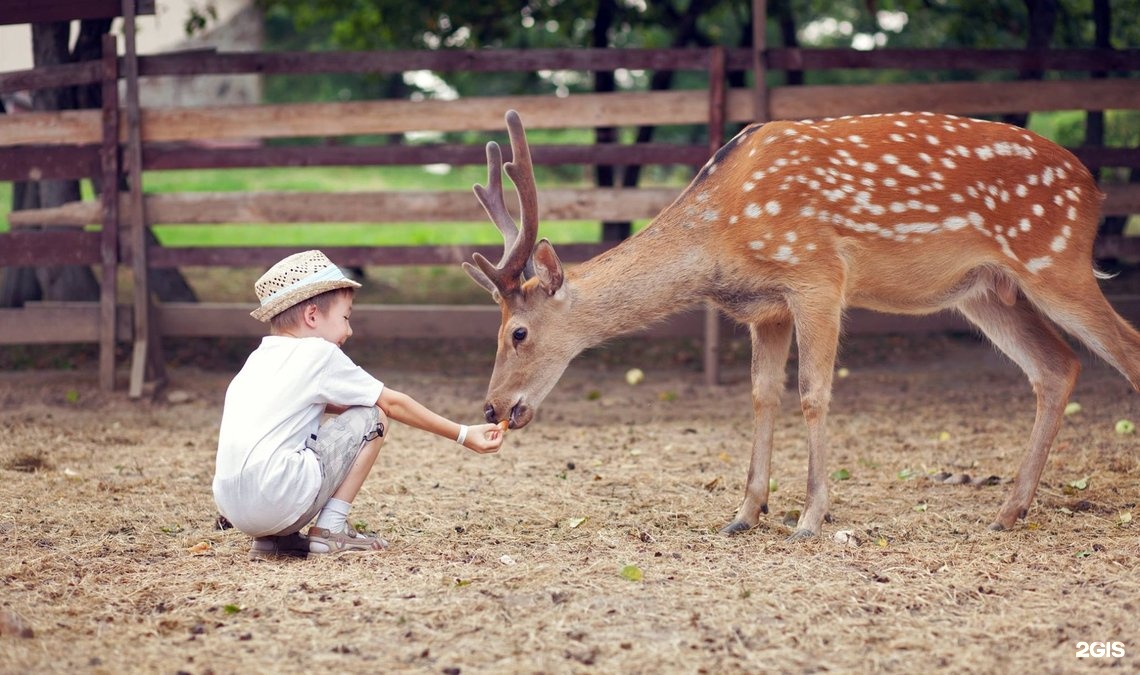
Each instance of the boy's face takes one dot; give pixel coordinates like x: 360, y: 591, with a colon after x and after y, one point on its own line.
x: 334, y: 325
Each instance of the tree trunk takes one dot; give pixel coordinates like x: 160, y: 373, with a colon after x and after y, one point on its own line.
x: 49, y: 47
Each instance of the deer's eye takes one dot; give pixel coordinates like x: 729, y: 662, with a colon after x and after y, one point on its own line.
x: 519, y: 335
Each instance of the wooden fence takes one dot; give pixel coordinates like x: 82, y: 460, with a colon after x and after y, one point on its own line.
x: 124, y: 139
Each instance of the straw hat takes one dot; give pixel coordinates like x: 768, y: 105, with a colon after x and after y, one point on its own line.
x: 296, y: 279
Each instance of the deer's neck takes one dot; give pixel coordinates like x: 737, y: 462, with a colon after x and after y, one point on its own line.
x: 645, y: 279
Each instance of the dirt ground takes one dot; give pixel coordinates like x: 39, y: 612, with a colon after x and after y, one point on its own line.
x: 590, y: 542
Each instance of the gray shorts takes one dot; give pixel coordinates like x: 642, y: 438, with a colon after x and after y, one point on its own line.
x: 337, y: 444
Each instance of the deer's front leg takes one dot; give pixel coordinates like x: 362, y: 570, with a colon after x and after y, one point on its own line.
x: 771, y: 341
x: 817, y: 320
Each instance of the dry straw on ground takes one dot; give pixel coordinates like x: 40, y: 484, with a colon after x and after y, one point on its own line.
x: 514, y: 562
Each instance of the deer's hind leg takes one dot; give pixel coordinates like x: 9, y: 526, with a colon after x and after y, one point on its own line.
x: 1021, y: 332
x: 1078, y: 306
x: 771, y: 342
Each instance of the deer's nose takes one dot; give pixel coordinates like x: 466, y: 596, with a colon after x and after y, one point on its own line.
x: 489, y: 413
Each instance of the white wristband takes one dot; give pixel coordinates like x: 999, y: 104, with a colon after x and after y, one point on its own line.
x: 462, y: 434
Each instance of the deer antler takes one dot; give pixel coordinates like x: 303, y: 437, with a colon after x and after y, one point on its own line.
x: 518, y: 242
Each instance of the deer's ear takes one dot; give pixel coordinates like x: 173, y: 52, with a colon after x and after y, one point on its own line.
x: 547, y: 267
x: 480, y: 278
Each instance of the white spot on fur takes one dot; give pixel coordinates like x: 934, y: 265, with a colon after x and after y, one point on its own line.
x: 1035, y: 265
x: 785, y: 254
x: 752, y: 210
x: 1038, y: 210
x: 772, y: 207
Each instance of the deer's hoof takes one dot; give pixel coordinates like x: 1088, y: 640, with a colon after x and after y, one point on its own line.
x: 997, y: 527
x: 801, y: 534
x: 735, y: 527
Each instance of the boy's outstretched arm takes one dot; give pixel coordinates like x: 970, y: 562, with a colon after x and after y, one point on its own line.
x: 481, y: 438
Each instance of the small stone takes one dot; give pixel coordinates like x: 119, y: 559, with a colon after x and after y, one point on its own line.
x: 845, y: 538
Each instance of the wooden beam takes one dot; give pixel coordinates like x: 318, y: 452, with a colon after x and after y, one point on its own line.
x: 577, y: 111
x: 146, y: 360
x: 44, y: 11
x: 558, y: 204
x: 39, y: 323
x: 717, y: 84
x: 38, y: 162
x: 369, y: 117
x: 1017, y: 60
x: 1121, y: 200
x: 761, y: 111
x: 164, y: 156
x: 359, y: 207
x: 209, y: 62
x: 391, y: 116
x: 443, y: 60
x: 50, y: 77
x: 964, y: 98
x: 109, y: 205
x: 77, y: 322
x: 352, y: 256
x: 49, y: 248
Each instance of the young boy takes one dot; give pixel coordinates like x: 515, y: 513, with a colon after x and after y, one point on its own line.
x: 278, y: 466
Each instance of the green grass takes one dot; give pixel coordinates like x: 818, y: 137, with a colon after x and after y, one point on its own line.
x: 5, y: 205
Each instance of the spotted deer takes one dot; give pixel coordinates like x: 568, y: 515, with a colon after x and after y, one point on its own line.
x: 792, y: 222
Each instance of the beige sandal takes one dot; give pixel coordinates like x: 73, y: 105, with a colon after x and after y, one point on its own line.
x: 343, y: 542
x: 294, y: 545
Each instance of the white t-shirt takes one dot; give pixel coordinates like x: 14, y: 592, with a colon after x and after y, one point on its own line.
x: 265, y: 478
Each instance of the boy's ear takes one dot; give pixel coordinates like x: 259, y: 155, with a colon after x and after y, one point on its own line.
x: 309, y: 316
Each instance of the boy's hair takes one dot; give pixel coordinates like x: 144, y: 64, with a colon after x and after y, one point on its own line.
x: 291, y: 317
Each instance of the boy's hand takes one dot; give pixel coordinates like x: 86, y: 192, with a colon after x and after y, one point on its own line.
x: 484, y: 438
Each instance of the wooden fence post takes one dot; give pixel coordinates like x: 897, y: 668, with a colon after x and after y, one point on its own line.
x: 717, y: 74
x: 146, y: 356
x: 109, y: 198
x: 760, y: 111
